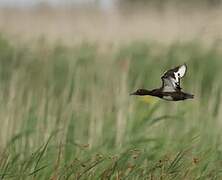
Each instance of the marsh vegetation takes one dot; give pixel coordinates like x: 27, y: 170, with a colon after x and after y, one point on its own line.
x: 66, y: 112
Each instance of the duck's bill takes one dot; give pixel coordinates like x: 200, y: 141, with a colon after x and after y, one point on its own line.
x: 134, y: 93
x: 137, y: 93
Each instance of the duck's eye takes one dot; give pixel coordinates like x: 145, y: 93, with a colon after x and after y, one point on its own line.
x: 178, y: 74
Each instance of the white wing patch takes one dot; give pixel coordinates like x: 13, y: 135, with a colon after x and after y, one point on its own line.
x: 171, y: 78
x: 182, y: 70
x: 180, y: 73
x: 169, y: 98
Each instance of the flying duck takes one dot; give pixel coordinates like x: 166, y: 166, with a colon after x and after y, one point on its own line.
x: 170, y: 89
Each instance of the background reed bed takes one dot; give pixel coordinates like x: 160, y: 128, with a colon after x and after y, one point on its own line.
x: 66, y: 113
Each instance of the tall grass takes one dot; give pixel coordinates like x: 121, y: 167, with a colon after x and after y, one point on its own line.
x: 66, y: 113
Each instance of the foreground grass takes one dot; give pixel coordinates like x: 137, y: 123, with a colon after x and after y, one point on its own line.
x: 66, y: 113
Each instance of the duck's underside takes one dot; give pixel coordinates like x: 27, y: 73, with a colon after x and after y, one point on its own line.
x: 176, y: 96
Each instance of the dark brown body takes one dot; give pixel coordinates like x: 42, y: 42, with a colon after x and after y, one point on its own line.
x: 170, y: 89
x: 170, y: 96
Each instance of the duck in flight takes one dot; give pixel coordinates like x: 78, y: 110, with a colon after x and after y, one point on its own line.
x: 170, y: 89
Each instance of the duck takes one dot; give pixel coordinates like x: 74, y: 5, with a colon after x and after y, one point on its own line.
x: 170, y: 89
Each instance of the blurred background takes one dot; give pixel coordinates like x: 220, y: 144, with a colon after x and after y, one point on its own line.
x: 66, y: 71
x: 111, y: 20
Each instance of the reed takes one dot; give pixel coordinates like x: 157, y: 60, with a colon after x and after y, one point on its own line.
x: 66, y: 113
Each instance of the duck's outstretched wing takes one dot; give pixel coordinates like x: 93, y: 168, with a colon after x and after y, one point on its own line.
x: 168, y: 85
x: 171, y: 78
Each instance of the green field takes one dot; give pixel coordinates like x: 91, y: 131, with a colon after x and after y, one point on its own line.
x: 66, y: 113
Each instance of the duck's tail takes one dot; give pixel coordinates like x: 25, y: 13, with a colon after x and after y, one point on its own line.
x: 189, y: 96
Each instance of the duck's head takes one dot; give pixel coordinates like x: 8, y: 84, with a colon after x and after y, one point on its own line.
x: 141, y: 92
